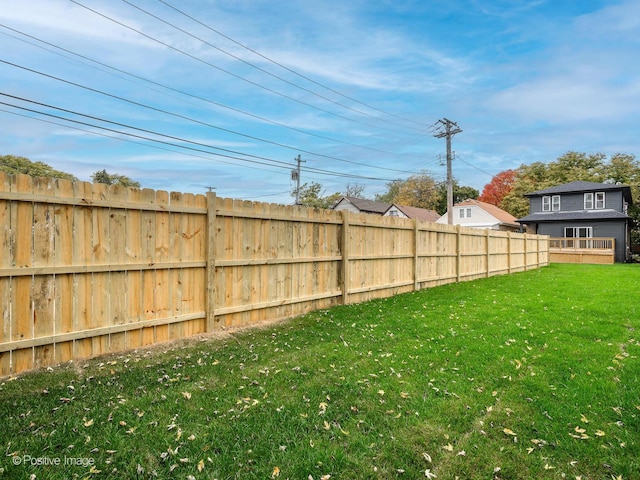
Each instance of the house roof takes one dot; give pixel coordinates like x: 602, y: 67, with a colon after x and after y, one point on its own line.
x: 581, y: 186
x: 418, y: 213
x: 367, y: 206
x: 497, y: 212
x: 543, y: 217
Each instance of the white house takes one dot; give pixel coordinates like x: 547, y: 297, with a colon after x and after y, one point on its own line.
x: 476, y: 214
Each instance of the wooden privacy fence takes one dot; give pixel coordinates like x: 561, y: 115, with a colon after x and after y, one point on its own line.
x: 87, y: 269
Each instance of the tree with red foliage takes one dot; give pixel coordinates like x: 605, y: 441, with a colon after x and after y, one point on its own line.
x: 498, y: 188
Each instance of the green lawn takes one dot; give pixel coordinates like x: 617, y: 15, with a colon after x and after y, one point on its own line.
x: 532, y: 375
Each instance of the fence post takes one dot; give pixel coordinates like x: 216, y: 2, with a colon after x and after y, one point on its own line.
x: 416, y: 259
x: 526, y: 255
x: 211, y: 261
x: 509, y: 252
x: 345, y: 257
x: 458, y: 253
x: 488, y: 252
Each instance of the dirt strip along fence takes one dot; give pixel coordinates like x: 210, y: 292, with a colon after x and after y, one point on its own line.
x: 88, y: 269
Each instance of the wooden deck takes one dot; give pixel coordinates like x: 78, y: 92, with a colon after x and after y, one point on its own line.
x: 582, y: 250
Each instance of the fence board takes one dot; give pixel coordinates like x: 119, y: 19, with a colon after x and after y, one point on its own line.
x: 88, y: 270
x: 6, y: 261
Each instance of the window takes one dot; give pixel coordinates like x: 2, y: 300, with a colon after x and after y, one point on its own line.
x: 393, y: 213
x: 600, y: 200
x: 546, y: 204
x: 588, y: 201
x: 551, y: 203
x: 462, y: 213
x: 578, y: 232
x: 468, y: 213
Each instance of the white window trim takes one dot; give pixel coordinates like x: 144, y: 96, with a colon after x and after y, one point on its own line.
x: 468, y: 212
x: 588, y: 201
x: 553, y: 203
x: 588, y: 231
x: 546, y: 203
x: 597, y: 203
x: 462, y: 213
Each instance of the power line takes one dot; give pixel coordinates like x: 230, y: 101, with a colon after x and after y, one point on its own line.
x: 284, y: 66
x: 236, y: 110
x: 200, y: 122
x: 266, y: 72
x: 239, y: 77
x: 251, y: 159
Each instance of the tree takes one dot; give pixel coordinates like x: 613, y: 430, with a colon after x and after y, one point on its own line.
x: 102, y: 176
x: 355, y: 190
x: 311, y: 195
x: 460, y: 194
x: 416, y: 191
x: 393, y: 188
x: 13, y: 164
x: 498, y: 188
x: 574, y: 166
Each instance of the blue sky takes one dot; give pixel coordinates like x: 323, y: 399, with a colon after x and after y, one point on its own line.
x: 356, y: 87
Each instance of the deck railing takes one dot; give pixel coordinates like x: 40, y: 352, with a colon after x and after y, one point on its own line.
x: 582, y: 243
x: 582, y: 250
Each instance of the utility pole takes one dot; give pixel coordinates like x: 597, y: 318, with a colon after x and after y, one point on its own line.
x: 295, y: 175
x: 450, y: 129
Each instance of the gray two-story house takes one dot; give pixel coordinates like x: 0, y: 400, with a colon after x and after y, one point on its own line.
x: 582, y: 210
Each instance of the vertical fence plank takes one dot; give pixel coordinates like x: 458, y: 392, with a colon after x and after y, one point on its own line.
x: 133, y: 254
x: 82, y: 282
x: 345, y: 270
x: 161, y: 296
x: 100, y: 314
x: 6, y: 261
x: 63, y: 288
x: 118, y: 294
x: 148, y: 255
x: 22, y: 245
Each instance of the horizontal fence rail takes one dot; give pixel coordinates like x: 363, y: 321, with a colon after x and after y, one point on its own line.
x: 88, y: 269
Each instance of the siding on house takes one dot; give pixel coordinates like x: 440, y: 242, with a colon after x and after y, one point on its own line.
x: 482, y: 215
x: 611, y: 221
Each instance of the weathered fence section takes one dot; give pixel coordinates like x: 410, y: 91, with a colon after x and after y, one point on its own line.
x: 87, y: 269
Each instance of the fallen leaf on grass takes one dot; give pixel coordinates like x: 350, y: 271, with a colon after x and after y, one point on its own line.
x: 583, y: 419
x: 186, y: 395
x: 448, y: 447
x: 508, y: 431
x: 201, y: 465
x: 276, y: 472
x: 600, y: 433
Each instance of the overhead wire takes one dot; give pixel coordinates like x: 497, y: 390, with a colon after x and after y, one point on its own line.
x: 239, y: 77
x: 251, y: 158
x: 270, y: 165
x: 266, y: 72
x: 184, y: 117
x: 287, y: 68
x: 236, y: 110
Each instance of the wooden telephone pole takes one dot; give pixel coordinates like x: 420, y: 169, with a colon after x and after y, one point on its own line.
x: 450, y: 129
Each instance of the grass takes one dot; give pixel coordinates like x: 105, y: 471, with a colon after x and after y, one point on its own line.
x: 532, y: 375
